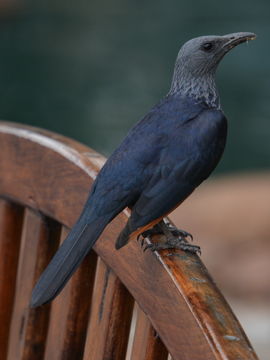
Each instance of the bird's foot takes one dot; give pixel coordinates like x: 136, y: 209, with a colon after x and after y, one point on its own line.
x: 174, y: 243
x: 179, y: 233
x: 158, y: 229
x: 175, y: 238
x: 155, y: 230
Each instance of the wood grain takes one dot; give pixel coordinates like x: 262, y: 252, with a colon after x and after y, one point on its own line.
x: 110, y: 317
x: 147, y: 345
x: 29, y: 326
x: 11, y: 217
x: 71, y: 310
x: 53, y: 175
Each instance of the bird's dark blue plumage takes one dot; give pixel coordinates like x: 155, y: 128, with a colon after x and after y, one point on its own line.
x: 164, y: 157
x: 178, y: 163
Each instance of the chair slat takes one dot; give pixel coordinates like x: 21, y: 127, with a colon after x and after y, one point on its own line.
x: 71, y: 310
x: 29, y: 326
x: 147, y: 345
x: 110, y: 317
x: 11, y: 216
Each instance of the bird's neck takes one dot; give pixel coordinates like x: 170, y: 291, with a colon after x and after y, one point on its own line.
x: 200, y: 87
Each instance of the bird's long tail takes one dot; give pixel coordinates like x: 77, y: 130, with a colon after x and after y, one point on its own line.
x: 71, y: 253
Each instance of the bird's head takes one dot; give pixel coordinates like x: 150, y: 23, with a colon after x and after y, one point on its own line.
x: 198, y: 58
x: 203, y: 53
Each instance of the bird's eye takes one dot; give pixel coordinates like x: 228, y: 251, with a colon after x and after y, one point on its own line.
x: 208, y: 46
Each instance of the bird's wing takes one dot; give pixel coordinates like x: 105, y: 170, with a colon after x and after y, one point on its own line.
x: 160, y: 197
x: 126, y: 173
x: 177, y: 175
x: 168, y: 188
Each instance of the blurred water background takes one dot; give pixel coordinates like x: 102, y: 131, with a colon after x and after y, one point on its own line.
x: 91, y: 69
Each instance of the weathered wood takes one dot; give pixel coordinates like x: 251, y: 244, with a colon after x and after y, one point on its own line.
x: 29, y: 326
x: 11, y: 216
x: 147, y: 345
x: 110, y: 317
x: 53, y: 175
x: 46, y: 161
x: 69, y: 313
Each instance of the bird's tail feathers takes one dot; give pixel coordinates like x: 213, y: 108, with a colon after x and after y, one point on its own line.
x: 67, y: 259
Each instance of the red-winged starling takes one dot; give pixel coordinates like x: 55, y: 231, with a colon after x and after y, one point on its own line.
x: 164, y: 157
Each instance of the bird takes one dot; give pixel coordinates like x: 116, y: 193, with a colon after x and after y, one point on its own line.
x: 161, y: 161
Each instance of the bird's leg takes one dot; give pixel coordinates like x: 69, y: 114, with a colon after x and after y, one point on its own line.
x: 175, y: 238
x: 155, y: 230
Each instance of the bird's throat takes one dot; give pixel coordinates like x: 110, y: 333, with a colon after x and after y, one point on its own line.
x: 202, y: 89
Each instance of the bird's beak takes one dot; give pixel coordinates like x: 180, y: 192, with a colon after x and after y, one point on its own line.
x: 236, y: 39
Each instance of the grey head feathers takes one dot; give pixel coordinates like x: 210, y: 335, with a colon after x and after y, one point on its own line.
x: 196, y: 64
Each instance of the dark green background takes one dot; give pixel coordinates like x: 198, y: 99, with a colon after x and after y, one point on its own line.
x: 91, y: 69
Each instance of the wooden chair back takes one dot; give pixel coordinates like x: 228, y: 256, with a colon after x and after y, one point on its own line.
x: 119, y: 305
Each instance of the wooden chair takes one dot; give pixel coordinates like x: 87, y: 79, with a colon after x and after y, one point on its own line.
x: 125, y: 304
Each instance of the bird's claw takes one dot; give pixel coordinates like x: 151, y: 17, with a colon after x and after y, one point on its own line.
x: 181, y: 233
x: 157, y: 230
x: 172, y: 244
x: 194, y: 249
x: 148, y: 246
x: 141, y: 238
x: 176, y: 239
